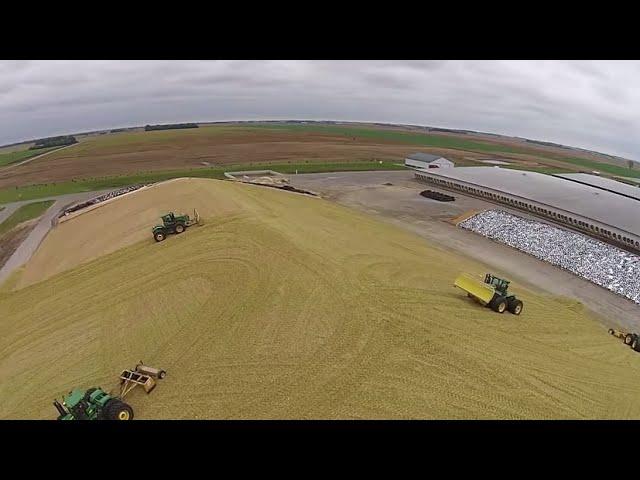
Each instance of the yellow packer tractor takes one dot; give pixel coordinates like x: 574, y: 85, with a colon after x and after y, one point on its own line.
x: 492, y: 292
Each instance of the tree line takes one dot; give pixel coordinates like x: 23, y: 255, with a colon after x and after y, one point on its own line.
x: 60, y: 141
x: 172, y: 126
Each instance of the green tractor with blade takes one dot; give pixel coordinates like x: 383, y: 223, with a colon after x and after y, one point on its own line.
x: 172, y: 223
x: 493, y: 292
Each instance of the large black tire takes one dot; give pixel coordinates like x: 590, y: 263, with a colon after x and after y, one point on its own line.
x: 515, y: 306
x: 162, y: 374
x: 628, y: 339
x: 159, y: 236
x: 117, y: 410
x: 636, y: 345
x: 179, y: 228
x: 499, y: 304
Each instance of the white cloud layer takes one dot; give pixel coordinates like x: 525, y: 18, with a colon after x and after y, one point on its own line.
x: 589, y: 104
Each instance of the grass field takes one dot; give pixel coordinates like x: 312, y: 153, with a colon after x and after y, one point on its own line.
x: 395, y: 136
x: 31, y: 192
x: 18, y: 156
x: 23, y: 214
x: 285, y: 306
x: 604, y: 167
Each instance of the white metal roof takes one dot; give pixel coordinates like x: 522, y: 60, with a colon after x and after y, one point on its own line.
x: 603, y: 183
x: 590, y: 202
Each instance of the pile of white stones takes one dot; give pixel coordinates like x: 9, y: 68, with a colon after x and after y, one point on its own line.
x: 603, y: 264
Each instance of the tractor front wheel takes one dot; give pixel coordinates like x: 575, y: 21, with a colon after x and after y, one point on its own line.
x: 179, y: 228
x: 499, y: 304
x: 515, y: 307
x: 611, y: 332
x: 118, y: 410
x: 159, y: 236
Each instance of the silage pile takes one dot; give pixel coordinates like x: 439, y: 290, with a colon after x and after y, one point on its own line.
x: 596, y: 261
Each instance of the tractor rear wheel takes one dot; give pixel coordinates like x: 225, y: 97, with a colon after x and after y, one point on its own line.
x: 118, y: 410
x: 499, y: 304
x: 179, y: 228
x: 628, y: 339
x: 159, y: 236
x: 515, y: 306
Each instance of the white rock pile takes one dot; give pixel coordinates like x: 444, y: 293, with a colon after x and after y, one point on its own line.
x: 603, y: 264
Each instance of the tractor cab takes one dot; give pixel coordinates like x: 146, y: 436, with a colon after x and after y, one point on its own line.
x: 169, y: 219
x: 499, y: 284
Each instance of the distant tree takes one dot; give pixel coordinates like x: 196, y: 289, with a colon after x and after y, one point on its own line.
x: 54, y: 142
x: 174, y: 126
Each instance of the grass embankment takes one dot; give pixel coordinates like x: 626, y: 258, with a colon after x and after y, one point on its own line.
x: 285, y: 306
x: 18, y: 156
x: 604, y: 167
x: 23, y: 214
x: 30, y: 192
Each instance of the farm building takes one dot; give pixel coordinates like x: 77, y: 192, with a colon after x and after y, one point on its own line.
x: 597, y: 212
x: 426, y: 160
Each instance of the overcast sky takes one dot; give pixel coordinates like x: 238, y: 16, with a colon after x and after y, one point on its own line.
x: 593, y: 105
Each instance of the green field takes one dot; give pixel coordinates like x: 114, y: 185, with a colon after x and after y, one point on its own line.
x: 15, y: 157
x: 24, y: 213
x: 286, y: 306
x: 409, y: 138
x: 31, y: 192
x: 604, y: 167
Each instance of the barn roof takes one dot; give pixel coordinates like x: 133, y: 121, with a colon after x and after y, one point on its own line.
x: 423, y: 157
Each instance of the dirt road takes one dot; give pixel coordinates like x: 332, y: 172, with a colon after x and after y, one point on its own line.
x: 13, y: 165
x: 401, y: 204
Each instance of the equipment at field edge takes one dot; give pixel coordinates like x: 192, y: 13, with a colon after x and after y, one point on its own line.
x: 96, y: 404
x: 492, y: 293
x: 172, y: 223
x: 631, y: 339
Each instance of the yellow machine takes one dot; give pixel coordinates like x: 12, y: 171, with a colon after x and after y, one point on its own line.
x: 492, y: 293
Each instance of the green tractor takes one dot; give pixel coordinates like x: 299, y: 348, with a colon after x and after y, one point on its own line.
x: 492, y: 293
x: 92, y: 404
x: 96, y: 404
x: 172, y: 223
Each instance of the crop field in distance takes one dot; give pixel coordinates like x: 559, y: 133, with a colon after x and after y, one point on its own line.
x: 12, y: 157
x: 287, y: 306
x: 209, y: 148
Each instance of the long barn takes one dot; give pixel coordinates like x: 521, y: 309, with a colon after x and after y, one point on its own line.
x: 597, y: 212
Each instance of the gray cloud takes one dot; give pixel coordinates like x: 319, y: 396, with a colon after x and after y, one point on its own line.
x: 589, y: 104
